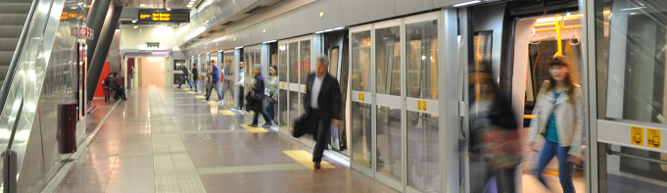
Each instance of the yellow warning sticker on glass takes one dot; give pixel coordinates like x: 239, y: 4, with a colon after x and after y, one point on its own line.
x: 424, y: 105
x: 653, y: 138
x: 637, y: 136
x: 419, y: 105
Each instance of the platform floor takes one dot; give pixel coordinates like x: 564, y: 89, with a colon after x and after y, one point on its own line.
x: 167, y: 140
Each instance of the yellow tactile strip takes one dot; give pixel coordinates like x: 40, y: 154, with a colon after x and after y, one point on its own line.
x: 254, y: 129
x: 227, y: 112
x: 306, y: 158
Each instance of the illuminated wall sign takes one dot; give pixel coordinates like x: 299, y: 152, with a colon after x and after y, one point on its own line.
x: 160, y: 15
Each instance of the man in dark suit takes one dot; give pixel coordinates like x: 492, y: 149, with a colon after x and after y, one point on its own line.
x: 322, y: 105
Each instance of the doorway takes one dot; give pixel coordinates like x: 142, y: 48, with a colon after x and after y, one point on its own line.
x: 151, y: 72
x: 508, y: 48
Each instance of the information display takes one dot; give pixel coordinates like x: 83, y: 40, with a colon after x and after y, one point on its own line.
x: 161, y: 15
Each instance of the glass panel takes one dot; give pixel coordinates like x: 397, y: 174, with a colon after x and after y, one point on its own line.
x: 361, y: 60
x: 293, y: 104
x: 229, y: 78
x: 333, y: 62
x: 282, y: 105
x: 282, y: 62
x: 423, y: 152
x: 361, y: 133
x: 636, y: 74
x: 631, y: 37
x: 627, y: 174
x: 422, y: 59
x: 388, y: 131
x: 293, y: 65
x: 388, y: 60
x: 305, y: 59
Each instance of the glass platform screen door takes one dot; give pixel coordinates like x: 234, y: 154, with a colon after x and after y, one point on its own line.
x: 388, y: 102
x: 422, y: 108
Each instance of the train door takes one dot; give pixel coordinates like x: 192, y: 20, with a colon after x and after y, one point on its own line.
x: 507, y: 47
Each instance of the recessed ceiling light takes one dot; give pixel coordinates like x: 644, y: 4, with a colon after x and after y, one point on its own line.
x: 134, y: 21
x: 191, y: 2
x: 168, y: 9
x: 135, y: 27
x: 190, y: 5
x: 142, y: 5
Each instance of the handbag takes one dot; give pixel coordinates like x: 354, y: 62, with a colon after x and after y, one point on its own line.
x: 300, y: 125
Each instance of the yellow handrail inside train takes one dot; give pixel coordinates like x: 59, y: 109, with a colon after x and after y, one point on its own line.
x: 558, y: 38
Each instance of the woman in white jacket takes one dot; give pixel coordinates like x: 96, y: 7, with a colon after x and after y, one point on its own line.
x: 559, y: 116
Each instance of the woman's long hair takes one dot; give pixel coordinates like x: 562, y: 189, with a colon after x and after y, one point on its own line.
x: 569, y: 82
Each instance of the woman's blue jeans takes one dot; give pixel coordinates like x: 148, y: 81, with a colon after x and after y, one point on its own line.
x: 565, y: 167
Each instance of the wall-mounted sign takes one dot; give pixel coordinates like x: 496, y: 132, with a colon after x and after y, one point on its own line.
x: 161, y: 15
x: 82, y: 32
x: 153, y: 44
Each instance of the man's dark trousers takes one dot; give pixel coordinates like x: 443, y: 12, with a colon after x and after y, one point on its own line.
x: 321, y: 126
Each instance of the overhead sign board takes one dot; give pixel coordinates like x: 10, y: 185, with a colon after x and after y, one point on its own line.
x: 161, y: 15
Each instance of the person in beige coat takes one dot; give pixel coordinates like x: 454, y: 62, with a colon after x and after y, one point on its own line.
x: 559, y: 116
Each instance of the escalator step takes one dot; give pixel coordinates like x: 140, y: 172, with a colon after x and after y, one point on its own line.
x: 12, y: 19
x: 3, y: 72
x: 16, y: 1
x: 14, y: 7
x: 8, y: 44
x: 13, y: 31
x: 6, y: 57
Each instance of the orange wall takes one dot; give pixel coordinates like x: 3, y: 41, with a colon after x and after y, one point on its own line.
x: 152, y: 71
x: 99, y: 92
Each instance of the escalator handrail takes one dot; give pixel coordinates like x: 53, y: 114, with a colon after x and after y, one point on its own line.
x: 11, y: 71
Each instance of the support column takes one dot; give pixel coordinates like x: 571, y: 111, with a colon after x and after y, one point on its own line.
x: 95, y: 21
x: 102, y: 48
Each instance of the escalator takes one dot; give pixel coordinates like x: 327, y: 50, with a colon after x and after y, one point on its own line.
x: 13, y: 14
x: 38, y: 73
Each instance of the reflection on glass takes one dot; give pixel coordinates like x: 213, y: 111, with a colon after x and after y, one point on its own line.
x: 293, y: 65
x: 631, y: 37
x: 361, y: 134
x: 423, y: 152
x: 482, y: 47
x: 305, y: 59
x: 282, y: 105
x: 388, y: 131
x: 333, y: 62
x: 388, y: 60
x: 422, y: 59
x: 361, y: 60
x: 282, y: 62
x: 293, y: 104
x: 229, y: 78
